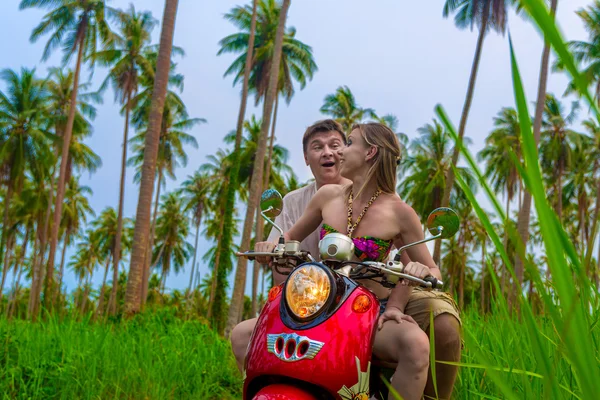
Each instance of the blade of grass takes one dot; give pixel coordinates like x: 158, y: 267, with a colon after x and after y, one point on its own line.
x: 577, y: 351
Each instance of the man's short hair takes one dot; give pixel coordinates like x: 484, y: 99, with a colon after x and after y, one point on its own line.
x: 325, y: 125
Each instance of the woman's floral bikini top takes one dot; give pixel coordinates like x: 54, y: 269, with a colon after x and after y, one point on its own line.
x: 366, y: 248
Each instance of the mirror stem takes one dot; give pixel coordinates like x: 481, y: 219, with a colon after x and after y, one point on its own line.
x: 401, y: 249
x: 281, y: 239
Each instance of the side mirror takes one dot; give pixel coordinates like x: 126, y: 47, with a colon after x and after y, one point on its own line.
x: 271, y: 203
x: 443, y: 222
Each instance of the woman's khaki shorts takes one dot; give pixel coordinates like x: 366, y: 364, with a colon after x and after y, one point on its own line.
x: 423, y: 302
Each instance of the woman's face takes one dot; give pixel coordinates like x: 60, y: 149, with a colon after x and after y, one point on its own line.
x: 353, y: 157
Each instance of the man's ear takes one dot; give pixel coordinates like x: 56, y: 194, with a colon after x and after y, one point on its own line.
x: 371, y: 153
x: 306, y: 159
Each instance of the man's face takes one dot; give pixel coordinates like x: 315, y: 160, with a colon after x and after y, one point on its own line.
x: 323, y: 158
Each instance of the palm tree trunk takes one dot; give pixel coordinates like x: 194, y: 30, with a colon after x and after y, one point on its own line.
x: 62, y: 267
x: 260, y: 225
x: 148, y: 259
x: 85, y: 293
x: 194, y: 259
x: 116, y: 256
x: 142, y: 221
x: 33, y: 270
x: 257, y: 179
x: 463, y: 124
x: 9, y: 247
x: 592, y: 239
x: 15, y: 297
x: 37, y: 273
x: 525, y: 211
x: 60, y: 190
x: 103, y: 289
x: 215, y: 274
x: 7, y: 199
x: 217, y: 302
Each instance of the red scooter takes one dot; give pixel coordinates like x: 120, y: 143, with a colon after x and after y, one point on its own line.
x: 314, y: 336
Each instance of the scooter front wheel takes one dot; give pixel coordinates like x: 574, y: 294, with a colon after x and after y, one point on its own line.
x: 281, y: 391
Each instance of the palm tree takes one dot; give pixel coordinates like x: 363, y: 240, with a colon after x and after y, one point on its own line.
x: 579, y: 182
x: 172, y: 250
x: 427, y: 167
x: 587, y: 53
x: 487, y: 15
x: 525, y: 209
x: 127, y: 62
x: 84, y: 263
x: 555, y: 147
x: 105, y: 230
x: 195, y: 192
x: 297, y: 62
x: 171, y: 154
x: 142, y: 220
x: 81, y: 157
x: 275, y: 165
x: 77, y: 208
x: 218, y: 169
x: 343, y: 108
x: 247, y: 155
x: 78, y: 26
x: 593, y: 129
x: 25, y: 146
x: 237, y: 297
x: 500, y: 170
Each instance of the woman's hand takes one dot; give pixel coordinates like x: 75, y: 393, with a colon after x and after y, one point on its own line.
x: 262, y: 247
x: 394, y: 314
x: 417, y: 270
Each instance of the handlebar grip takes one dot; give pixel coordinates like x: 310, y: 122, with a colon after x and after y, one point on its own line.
x: 435, y: 284
x: 251, y: 258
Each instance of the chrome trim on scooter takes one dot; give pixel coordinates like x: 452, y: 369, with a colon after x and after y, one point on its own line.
x: 296, y: 341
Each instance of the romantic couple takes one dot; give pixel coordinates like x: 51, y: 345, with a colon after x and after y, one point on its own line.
x: 354, y: 193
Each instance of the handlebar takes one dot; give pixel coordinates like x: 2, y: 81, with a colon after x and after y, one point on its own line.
x: 275, y: 254
x: 430, y: 282
x: 391, y: 268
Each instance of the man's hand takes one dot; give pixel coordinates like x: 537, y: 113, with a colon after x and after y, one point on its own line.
x: 417, y: 270
x: 394, y: 314
x: 264, y: 247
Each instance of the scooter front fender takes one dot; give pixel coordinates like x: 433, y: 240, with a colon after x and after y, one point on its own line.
x: 281, y: 391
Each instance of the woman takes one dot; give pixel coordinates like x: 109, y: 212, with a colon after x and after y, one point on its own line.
x: 373, y: 215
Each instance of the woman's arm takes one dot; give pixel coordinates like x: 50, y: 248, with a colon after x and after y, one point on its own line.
x: 411, y: 231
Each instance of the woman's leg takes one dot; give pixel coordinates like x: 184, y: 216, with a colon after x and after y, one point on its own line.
x: 408, y: 346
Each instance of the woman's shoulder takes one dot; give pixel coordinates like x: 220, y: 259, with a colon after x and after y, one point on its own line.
x: 400, y: 208
x: 331, y: 190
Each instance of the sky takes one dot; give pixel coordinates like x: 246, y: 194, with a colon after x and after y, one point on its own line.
x: 397, y: 57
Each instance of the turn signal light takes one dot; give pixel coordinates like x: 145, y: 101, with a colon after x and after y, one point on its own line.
x: 274, y: 292
x: 361, y: 304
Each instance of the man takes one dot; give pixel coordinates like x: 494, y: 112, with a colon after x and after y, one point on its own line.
x: 321, y: 143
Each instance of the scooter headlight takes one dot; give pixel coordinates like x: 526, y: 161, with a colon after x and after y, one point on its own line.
x: 307, y: 290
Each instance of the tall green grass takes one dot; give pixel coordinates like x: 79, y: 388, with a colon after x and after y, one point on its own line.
x: 517, y: 355
x: 154, y: 356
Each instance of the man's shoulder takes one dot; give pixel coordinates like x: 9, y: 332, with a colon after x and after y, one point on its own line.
x: 301, y: 193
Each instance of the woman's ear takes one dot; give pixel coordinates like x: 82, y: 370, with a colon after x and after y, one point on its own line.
x: 371, y: 153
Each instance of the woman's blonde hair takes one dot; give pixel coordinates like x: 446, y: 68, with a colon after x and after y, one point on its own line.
x: 386, y: 160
